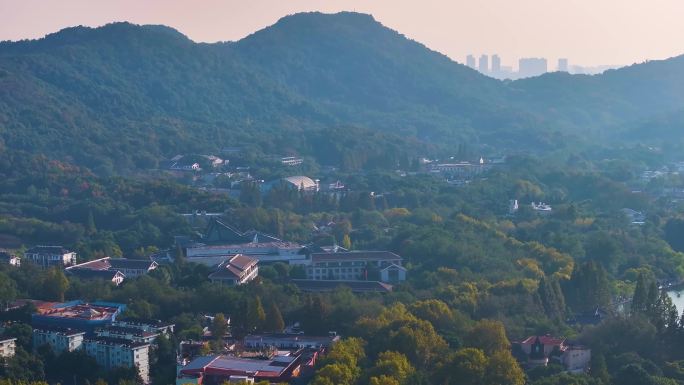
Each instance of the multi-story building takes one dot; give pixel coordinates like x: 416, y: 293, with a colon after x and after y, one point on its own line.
x: 355, y: 265
x: 283, y: 341
x: 237, y: 270
x: 222, y: 240
x: 128, y: 268
x: 127, y: 333
x: 8, y: 347
x: 470, y: 61
x: 48, y: 256
x: 76, y: 315
x: 113, y: 353
x: 540, y: 350
x: 59, y: 339
x: 146, y: 325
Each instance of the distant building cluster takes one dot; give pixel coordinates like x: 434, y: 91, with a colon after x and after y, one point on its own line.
x: 528, y: 67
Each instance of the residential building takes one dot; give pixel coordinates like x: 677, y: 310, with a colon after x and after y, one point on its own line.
x: 321, y: 286
x: 541, y: 208
x: 59, y: 339
x: 563, y: 65
x: 127, y: 333
x: 496, y: 64
x: 529, y: 67
x: 291, y: 161
x: 282, y: 341
x: 216, y: 369
x: 146, y: 325
x: 9, y: 258
x: 237, y: 270
x: 130, y: 268
x: 49, y: 256
x: 76, y: 315
x: 113, y: 276
x: 355, y: 265
x: 483, y: 64
x: 8, y: 347
x: 470, y: 61
x: 540, y: 350
x: 113, y: 353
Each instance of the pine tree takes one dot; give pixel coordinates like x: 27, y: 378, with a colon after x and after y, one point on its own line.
x: 640, y: 297
x: 90, y: 224
x: 274, y: 320
x: 255, y: 315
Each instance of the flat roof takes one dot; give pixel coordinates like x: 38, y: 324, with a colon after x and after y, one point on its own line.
x: 81, y: 310
x: 217, y: 364
x: 356, y: 256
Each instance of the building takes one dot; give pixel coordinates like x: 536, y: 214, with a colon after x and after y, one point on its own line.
x: 214, y: 370
x: 470, y: 61
x: 540, y: 350
x: 541, y: 208
x: 237, y: 270
x: 283, y: 341
x: 130, y: 268
x: 356, y: 265
x: 483, y: 65
x: 221, y: 240
x: 59, y: 339
x: 127, y: 333
x: 297, y: 182
x: 529, y: 67
x: 8, y: 347
x: 113, y: 276
x: 48, y: 256
x: 113, y: 353
x: 9, y: 258
x: 291, y: 161
x: 563, y: 65
x: 76, y: 315
x: 146, y: 325
x: 320, y: 286
x: 496, y: 64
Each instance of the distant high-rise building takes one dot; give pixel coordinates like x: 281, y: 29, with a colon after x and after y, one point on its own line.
x: 563, y: 65
x: 470, y: 61
x: 484, y: 64
x: 496, y: 64
x: 531, y: 66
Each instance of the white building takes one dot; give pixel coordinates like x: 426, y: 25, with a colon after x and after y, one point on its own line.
x: 355, y: 265
x: 237, y: 270
x: 60, y: 340
x: 48, y: 256
x: 127, y: 333
x: 8, y: 347
x: 114, y: 353
x: 9, y: 258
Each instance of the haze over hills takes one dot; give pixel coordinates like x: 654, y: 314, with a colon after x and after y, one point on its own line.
x: 122, y: 96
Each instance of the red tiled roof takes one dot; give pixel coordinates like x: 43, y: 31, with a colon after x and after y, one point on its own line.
x: 242, y: 262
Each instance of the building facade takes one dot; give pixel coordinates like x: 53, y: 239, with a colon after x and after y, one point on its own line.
x: 59, y: 339
x: 237, y: 270
x: 113, y: 353
x: 356, y: 265
x: 8, y: 347
x: 49, y: 256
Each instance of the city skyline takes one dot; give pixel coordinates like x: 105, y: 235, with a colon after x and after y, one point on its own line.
x: 589, y: 33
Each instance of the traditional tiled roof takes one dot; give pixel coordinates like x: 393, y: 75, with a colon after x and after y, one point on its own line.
x: 544, y: 340
x: 125, y: 263
x: 94, y: 274
x: 356, y: 256
x: 330, y: 285
x: 234, y: 267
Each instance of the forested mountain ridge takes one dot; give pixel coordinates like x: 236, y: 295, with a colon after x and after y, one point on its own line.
x: 122, y: 96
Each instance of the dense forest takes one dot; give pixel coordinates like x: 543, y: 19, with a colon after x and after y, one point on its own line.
x: 149, y: 92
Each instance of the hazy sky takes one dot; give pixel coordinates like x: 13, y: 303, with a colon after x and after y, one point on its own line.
x: 588, y: 32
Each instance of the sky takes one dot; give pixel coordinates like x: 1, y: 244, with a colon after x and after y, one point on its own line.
x: 588, y: 32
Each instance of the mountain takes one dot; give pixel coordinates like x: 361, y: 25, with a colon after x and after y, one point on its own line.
x: 335, y: 87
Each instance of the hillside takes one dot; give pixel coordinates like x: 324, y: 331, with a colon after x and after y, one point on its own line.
x: 122, y: 96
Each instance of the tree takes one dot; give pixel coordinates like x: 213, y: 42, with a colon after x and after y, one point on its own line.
x: 274, y: 320
x: 467, y: 366
x: 394, y: 365
x: 346, y: 242
x: 488, y: 335
x: 255, y: 315
x: 552, y: 298
x: 8, y: 290
x: 90, y: 224
x: 219, y: 327
x: 502, y: 368
x: 55, y: 285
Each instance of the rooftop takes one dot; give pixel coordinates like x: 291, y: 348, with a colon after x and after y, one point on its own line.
x: 81, y: 310
x: 545, y: 340
x: 47, y: 250
x: 117, y: 342
x: 356, y: 256
x: 85, y: 273
x: 220, y: 364
x: 60, y: 331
